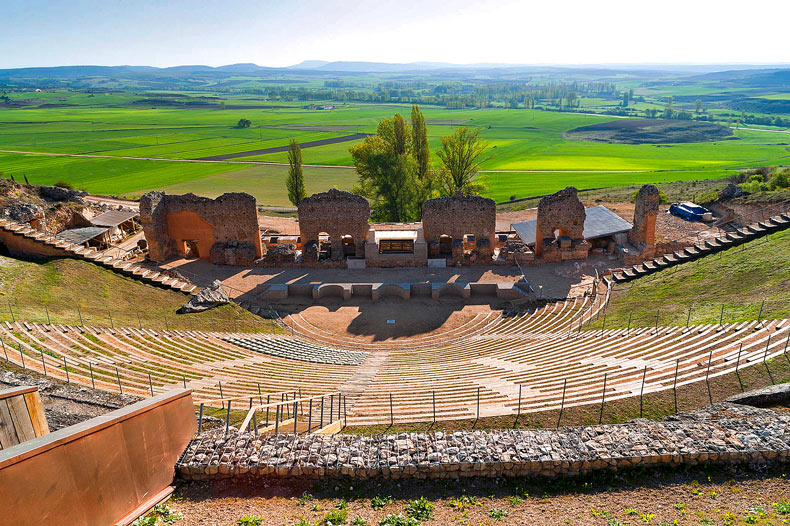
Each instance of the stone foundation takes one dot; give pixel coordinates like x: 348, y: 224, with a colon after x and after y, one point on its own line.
x: 759, y: 436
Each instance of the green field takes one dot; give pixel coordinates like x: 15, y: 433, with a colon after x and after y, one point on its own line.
x: 119, y: 125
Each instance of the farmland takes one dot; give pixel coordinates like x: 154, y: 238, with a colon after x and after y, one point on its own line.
x: 127, y: 144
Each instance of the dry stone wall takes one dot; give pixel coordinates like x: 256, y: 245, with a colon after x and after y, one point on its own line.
x: 336, y: 213
x: 225, y: 229
x: 723, y: 433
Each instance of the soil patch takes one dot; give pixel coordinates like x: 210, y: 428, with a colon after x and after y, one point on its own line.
x: 650, y: 131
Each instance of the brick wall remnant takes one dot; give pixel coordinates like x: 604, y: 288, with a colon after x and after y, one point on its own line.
x: 224, y: 230
x: 338, y: 214
x: 456, y: 217
x: 645, y: 212
x: 564, y: 213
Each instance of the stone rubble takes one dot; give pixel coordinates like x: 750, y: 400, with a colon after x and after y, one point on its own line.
x: 208, y: 298
x: 551, y: 453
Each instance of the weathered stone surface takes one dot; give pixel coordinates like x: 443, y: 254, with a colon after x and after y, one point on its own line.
x: 456, y: 217
x: 645, y: 211
x: 281, y: 253
x: 24, y: 212
x: 208, y: 298
x: 178, y: 225
x: 730, y: 191
x: 767, y: 396
x: 563, y: 213
x: 56, y: 193
x: 722, y: 433
x: 336, y: 213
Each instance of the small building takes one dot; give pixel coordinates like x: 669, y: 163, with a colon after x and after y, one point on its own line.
x: 120, y: 223
x: 89, y: 236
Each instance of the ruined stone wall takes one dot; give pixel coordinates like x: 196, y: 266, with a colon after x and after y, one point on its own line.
x: 457, y: 216
x: 337, y: 213
x: 563, y: 212
x: 645, y: 212
x: 225, y: 229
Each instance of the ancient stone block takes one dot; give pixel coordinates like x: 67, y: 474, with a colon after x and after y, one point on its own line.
x: 338, y: 214
x: 190, y: 226
x: 645, y: 212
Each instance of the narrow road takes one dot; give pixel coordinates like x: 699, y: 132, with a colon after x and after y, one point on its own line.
x: 280, y: 149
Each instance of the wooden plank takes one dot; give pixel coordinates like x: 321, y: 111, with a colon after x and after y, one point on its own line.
x: 8, y: 436
x: 21, y: 418
x: 37, y: 416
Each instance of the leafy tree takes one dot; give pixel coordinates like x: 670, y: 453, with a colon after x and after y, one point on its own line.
x: 669, y: 109
x: 419, y: 138
x: 461, y: 156
x: 388, y: 171
x: 244, y: 123
x: 295, y: 180
x: 698, y: 106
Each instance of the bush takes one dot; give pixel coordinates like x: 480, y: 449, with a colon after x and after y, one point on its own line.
x: 335, y: 517
x: 420, y: 509
x: 662, y: 197
x: 398, y: 520
x: 250, y: 520
x: 63, y: 184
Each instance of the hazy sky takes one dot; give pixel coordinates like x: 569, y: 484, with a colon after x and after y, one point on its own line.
x: 217, y: 32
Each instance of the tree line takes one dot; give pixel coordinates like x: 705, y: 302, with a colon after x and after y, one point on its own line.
x: 395, y: 168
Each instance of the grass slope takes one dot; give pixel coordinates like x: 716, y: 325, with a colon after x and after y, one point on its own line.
x: 738, y: 279
x: 63, y: 285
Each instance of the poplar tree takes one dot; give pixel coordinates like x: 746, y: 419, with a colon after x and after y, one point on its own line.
x: 461, y: 155
x: 419, y: 137
x: 295, y: 180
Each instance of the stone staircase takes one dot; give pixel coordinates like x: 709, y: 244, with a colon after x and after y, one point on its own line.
x: 709, y: 246
x: 126, y: 268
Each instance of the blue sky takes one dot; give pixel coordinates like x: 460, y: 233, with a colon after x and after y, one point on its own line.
x: 176, y: 32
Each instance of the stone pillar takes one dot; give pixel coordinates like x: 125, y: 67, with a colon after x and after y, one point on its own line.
x: 645, y: 212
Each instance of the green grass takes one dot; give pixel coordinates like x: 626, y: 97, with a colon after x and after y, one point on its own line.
x: 64, y: 285
x: 738, y: 279
x: 520, y: 140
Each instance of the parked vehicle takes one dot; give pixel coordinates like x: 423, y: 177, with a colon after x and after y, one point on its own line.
x: 690, y: 211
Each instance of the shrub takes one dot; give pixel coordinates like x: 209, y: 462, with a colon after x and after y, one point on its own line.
x: 512, y: 197
x: 497, y: 514
x: 63, y: 184
x: 250, y: 520
x: 335, y: 517
x: 398, y: 520
x: 420, y: 509
x: 378, y: 503
x: 782, y: 507
x: 358, y: 521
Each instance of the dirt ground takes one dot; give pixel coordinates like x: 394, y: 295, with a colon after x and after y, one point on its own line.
x: 658, y: 498
x: 392, y: 319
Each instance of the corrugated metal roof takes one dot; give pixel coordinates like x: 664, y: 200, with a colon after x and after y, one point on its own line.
x: 114, y: 218
x: 600, y: 222
x: 80, y: 236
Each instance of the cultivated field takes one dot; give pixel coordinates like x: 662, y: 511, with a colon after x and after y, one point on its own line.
x: 126, y: 147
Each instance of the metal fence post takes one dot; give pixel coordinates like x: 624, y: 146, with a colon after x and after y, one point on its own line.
x: 518, y: 410
x: 167, y: 326
x: 227, y: 419
x: 139, y: 323
x: 267, y: 409
x: 688, y: 319
x: 310, y: 417
x: 66, y: 368
x: 433, y: 396
x: 628, y: 329
x: 93, y: 383
x: 562, y: 403
x: 642, y: 393
x: 222, y: 401
x: 276, y: 419
x: 760, y: 315
x: 345, y: 412
x: 82, y: 323
x: 46, y: 309
x: 721, y: 316
x: 260, y: 396
x: 184, y: 379
x: 603, y: 399
x: 112, y: 326
x: 658, y: 313
x: 478, y: 405
x: 392, y: 414
x: 707, y: 374
x: 5, y: 353
x: 43, y: 364
x: 200, y: 420
x: 22, y: 355
x: 295, y: 416
x: 118, y: 376
x: 675, y: 385
x: 603, y: 326
x: 150, y: 384
x: 321, y: 423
